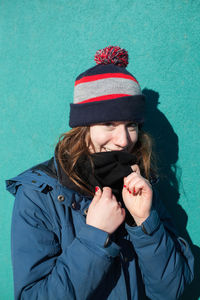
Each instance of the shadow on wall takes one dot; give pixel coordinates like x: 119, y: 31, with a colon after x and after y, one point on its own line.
x: 166, y: 148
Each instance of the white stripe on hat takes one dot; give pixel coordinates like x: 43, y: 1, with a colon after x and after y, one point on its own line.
x: 97, y: 88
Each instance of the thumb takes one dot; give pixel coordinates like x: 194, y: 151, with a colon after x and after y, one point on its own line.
x: 136, y: 169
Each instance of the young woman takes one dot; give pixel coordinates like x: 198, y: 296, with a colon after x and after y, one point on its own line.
x: 88, y: 223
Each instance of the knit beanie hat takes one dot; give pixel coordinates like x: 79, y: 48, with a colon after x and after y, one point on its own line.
x: 107, y: 92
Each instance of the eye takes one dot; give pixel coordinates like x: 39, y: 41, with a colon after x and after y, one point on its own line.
x: 109, y: 124
x: 132, y: 126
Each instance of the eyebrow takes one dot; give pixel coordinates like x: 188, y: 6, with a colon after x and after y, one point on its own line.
x: 119, y: 122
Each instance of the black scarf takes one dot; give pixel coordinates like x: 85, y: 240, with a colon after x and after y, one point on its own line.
x: 109, y: 169
x: 102, y: 169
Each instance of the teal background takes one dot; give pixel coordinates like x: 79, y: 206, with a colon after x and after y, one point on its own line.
x: 45, y: 44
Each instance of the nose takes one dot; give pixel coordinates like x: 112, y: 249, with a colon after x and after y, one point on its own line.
x: 121, y: 136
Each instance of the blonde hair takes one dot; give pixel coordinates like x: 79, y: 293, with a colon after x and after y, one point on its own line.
x: 76, y: 142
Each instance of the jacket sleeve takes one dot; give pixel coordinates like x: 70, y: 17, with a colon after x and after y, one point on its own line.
x: 165, y: 260
x: 42, y: 270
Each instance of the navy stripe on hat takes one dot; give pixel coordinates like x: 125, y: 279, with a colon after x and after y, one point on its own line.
x: 130, y: 108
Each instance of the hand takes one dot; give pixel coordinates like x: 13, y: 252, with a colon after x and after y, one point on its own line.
x: 105, y: 212
x: 137, y: 195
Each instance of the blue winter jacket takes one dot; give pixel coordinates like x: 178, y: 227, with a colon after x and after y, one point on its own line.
x: 56, y: 255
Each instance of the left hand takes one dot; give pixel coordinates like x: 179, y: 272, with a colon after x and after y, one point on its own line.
x: 137, y: 195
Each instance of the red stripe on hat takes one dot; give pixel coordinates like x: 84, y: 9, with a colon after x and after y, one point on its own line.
x: 103, y: 76
x: 101, y: 98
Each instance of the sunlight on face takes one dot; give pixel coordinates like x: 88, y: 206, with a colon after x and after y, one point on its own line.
x: 113, y: 136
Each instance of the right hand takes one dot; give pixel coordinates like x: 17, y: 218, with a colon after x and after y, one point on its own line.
x: 105, y: 212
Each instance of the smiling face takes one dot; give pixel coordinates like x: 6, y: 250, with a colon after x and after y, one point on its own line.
x: 113, y: 136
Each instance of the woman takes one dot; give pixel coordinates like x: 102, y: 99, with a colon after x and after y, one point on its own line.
x: 88, y: 223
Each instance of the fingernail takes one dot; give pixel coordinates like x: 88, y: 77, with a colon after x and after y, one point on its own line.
x: 133, y: 190
x: 96, y: 189
x: 124, y: 185
x: 129, y: 192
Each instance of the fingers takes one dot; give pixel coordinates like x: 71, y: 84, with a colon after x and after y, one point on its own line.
x: 109, y: 199
x: 97, y: 195
x: 135, y: 183
x: 108, y: 195
x: 128, y: 181
x: 105, y: 212
x: 105, y: 194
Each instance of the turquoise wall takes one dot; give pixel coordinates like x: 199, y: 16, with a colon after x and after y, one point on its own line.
x: 45, y: 44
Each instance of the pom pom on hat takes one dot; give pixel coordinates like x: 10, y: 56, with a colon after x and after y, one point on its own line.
x: 112, y: 55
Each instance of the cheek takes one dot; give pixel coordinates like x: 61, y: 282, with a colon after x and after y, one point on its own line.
x: 98, y: 137
x: 133, y: 137
x: 101, y: 140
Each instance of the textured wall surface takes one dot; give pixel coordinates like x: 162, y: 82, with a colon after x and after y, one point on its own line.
x: 45, y: 44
